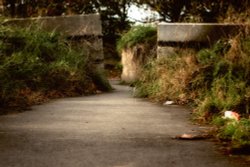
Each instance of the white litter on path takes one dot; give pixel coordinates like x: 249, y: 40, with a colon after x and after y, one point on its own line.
x: 169, y: 103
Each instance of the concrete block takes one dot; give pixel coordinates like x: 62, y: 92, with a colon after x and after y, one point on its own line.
x: 82, y: 31
x: 196, y: 32
x: 78, y: 25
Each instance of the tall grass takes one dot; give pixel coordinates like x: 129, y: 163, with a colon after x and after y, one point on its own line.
x: 237, y: 132
x: 167, y: 78
x: 215, y: 79
x: 230, y: 75
x: 35, y: 65
x: 212, y: 80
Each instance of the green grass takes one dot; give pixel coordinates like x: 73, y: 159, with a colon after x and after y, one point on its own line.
x: 32, y: 60
x: 238, y: 132
x: 137, y: 35
x: 212, y: 80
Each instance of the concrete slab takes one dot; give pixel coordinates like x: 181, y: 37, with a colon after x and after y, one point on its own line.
x: 83, y: 31
x: 196, y: 32
x: 78, y: 25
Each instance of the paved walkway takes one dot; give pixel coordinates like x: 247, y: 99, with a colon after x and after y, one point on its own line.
x: 106, y: 130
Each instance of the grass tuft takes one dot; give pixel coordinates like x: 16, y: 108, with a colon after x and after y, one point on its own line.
x: 137, y: 35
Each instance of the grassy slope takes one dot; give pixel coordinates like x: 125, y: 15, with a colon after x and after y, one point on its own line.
x: 37, y: 65
x: 213, y: 80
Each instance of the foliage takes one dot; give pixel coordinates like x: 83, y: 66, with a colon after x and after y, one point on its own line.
x: 228, y: 87
x: 137, y: 35
x: 99, y: 79
x: 168, y: 77
x: 197, y: 11
x: 213, y: 80
x: 148, y: 84
x: 114, y: 13
x: 236, y: 131
x: 169, y: 10
x: 32, y: 60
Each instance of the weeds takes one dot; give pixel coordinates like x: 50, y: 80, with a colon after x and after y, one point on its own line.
x: 155, y: 83
x: 213, y: 81
x: 137, y: 35
x: 38, y: 64
x: 238, y: 132
x: 148, y: 85
x: 136, y: 47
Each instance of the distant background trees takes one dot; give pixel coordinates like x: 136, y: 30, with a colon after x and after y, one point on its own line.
x: 114, y: 12
x: 196, y: 10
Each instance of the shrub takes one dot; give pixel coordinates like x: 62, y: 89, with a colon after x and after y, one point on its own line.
x: 166, y: 79
x: 215, y: 79
x: 228, y: 88
x: 148, y: 84
x: 236, y: 131
x: 211, y: 80
x: 32, y: 60
x: 137, y: 35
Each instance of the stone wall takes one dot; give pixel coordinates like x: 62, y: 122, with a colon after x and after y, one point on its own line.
x: 172, y: 36
x: 85, y: 31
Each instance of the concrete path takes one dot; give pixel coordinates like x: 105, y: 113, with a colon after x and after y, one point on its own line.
x: 107, y: 130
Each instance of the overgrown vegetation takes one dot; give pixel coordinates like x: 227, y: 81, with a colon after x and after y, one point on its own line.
x: 137, y: 35
x: 237, y: 132
x: 36, y: 65
x: 213, y: 80
x: 137, y: 47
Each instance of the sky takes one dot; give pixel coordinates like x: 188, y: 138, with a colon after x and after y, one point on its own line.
x: 141, y: 14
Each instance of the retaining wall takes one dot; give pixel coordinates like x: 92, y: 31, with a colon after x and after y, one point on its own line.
x: 85, y: 31
x: 193, y: 35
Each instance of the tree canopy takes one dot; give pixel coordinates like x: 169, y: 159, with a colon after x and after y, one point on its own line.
x: 201, y: 10
x: 169, y: 10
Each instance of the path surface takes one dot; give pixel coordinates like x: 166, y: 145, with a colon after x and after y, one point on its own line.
x: 107, y: 130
